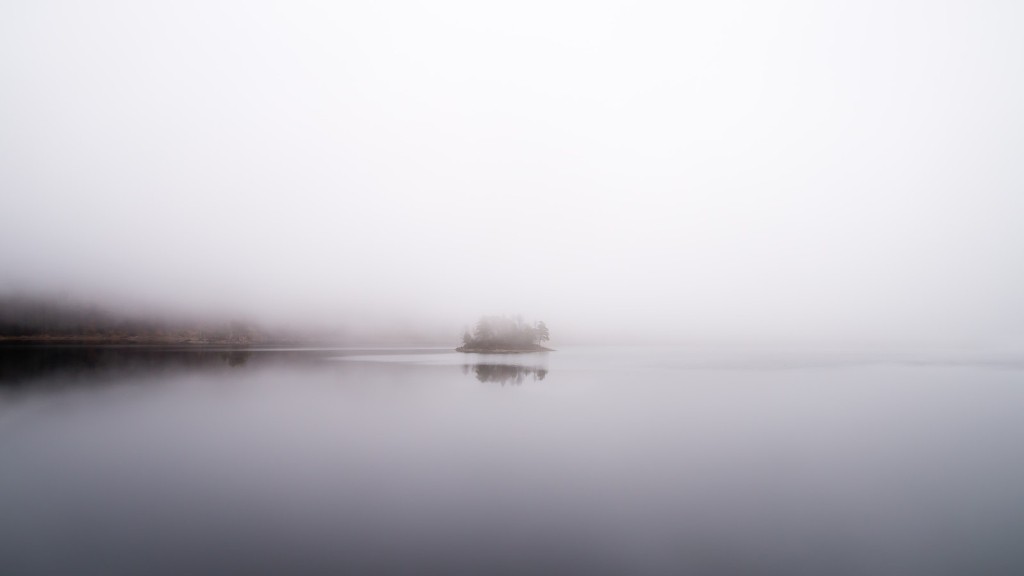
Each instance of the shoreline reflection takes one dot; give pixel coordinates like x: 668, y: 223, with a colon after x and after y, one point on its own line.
x: 26, y: 366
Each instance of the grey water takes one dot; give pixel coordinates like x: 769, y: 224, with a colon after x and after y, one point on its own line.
x: 583, y: 461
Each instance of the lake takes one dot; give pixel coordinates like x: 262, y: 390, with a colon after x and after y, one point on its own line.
x: 583, y: 461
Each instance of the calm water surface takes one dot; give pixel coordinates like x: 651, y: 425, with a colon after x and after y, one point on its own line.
x: 583, y: 461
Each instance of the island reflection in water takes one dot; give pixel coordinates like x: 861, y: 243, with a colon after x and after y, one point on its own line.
x: 510, y: 374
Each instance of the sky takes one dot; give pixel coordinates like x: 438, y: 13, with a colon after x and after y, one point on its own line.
x: 675, y: 171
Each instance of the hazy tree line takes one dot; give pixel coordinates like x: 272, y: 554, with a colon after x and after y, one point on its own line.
x: 28, y: 317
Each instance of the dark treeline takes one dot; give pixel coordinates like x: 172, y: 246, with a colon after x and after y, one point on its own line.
x: 34, y: 319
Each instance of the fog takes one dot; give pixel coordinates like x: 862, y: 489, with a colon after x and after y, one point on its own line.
x: 703, y: 172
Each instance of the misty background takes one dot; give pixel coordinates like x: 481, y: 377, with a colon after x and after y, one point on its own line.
x: 703, y: 172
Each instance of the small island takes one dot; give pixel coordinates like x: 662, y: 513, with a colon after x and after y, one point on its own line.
x: 501, y: 335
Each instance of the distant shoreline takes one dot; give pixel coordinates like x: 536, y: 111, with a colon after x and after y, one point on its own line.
x: 104, y: 339
x: 480, y: 350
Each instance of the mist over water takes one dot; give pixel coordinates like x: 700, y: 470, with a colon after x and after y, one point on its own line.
x: 737, y: 172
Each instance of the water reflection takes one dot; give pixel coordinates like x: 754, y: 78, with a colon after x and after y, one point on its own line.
x: 510, y: 374
x: 25, y: 365
x: 265, y: 461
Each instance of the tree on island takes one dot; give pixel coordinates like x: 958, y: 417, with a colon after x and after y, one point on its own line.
x: 503, y: 334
